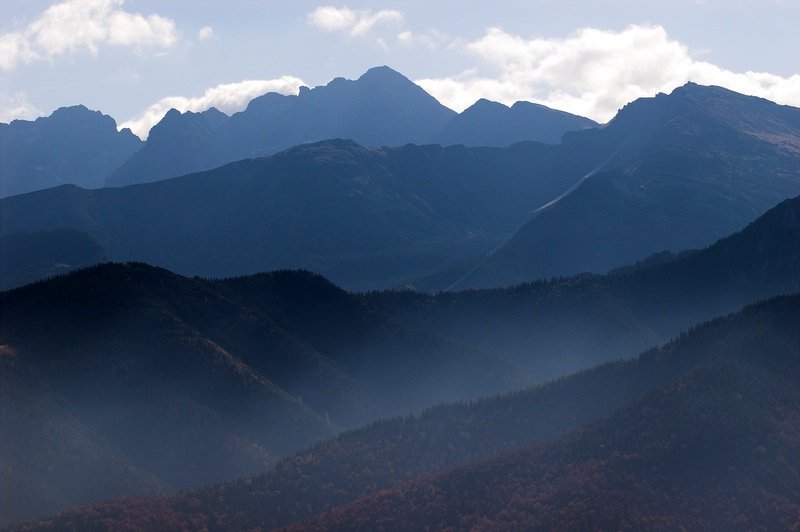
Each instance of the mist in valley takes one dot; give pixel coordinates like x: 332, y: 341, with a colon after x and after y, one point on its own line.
x: 354, y: 329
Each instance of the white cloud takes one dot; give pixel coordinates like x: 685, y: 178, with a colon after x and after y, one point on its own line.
x: 353, y: 22
x: 432, y: 39
x: 228, y: 98
x: 75, y: 25
x: 17, y: 107
x: 13, y: 47
x: 206, y: 32
x: 592, y: 72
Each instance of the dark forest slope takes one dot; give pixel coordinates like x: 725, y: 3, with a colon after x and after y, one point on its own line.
x: 714, y: 449
x: 703, y: 434
x: 135, y: 379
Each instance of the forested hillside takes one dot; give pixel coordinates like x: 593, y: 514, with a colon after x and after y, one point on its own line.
x: 124, y: 378
x: 700, y: 433
x: 552, y: 327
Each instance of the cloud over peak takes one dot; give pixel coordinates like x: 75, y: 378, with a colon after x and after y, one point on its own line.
x: 353, y: 22
x: 592, y: 72
x: 227, y: 97
x: 75, y: 25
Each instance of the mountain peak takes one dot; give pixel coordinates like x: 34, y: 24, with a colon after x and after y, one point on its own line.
x: 489, y: 123
x: 483, y: 103
x: 72, y: 110
x: 79, y: 114
x: 382, y: 72
x: 708, y: 106
x: 72, y: 145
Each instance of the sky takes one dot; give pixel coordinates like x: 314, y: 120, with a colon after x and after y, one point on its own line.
x: 136, y: 59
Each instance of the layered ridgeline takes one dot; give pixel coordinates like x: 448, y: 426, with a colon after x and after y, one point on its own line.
x: 487, y: 123
x: 124, y: 378
x: 672, y: 172
x: 381, y: 108
x: 26, y: 257
x: 553, y: 327
x: 363, y: 217
x: 688, y: 168
x: 702, y: 433
x: 73, y: 145
x: 714, y: 448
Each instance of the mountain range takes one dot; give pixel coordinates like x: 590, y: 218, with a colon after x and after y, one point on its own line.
x: 689, y: 168
x: 122, y: 378
x: 381, y: 108
x: 363, y: 217
x: 672, y: 172
x: 354, y: 308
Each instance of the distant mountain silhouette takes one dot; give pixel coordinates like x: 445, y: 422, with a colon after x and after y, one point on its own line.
x: 668, y: 173
x: 72, y: 145
x: 686, y: 169
x: 179, y: 144
x: 488, y: 123
x: 696, y: 434
x: 381, y: 108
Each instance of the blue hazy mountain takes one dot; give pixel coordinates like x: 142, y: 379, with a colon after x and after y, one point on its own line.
x: 683, y: 170
x: 673, y: 172
x: 488, y: 123
x: 364, y: 217
x: 72, y: 145
x: 381, y: 108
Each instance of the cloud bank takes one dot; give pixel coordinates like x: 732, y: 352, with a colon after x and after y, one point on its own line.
x: 592, y: 72
x: 228, y: 98
x: 76, y: 25
x: 354, y: 23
